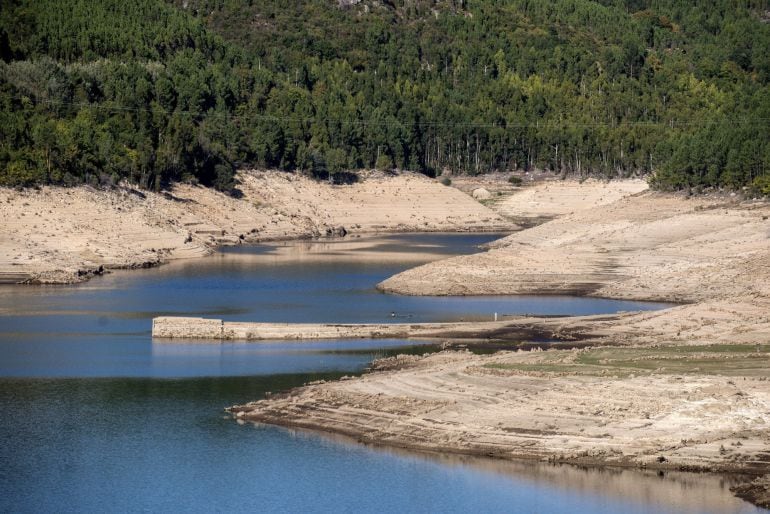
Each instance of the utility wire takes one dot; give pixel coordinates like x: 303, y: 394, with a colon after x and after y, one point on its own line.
x: 428, y: 124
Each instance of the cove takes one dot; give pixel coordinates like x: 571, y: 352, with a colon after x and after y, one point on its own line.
x: 102, y: 328
x: 97, y: 417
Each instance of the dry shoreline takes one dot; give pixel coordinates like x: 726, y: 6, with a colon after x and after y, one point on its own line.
x: 61, y: 236
x: 682, y: 388
x: 650, y: 246
x: 531, y: 406
x: 522, y: 405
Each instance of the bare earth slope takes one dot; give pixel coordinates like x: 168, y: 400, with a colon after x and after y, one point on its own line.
x: 60, y: 235
x: 650, y: 246
x: 550, y: 199
x: 531, y: 405
x: 544, y: 198
x: 685, y: 388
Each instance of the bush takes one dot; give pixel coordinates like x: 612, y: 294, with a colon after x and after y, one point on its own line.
x: 516, y: 181
x: 761, y: 185
x: 21, y: 171
x: 384, y: 162
x: 224, y: 177
x: 446, y: 181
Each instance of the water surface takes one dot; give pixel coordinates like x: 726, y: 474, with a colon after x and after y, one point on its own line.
x: 98, y: 417
x: 102, y: 328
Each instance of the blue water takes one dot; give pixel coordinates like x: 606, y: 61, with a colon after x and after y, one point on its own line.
x: 96, y: 417
x: 102, y: 328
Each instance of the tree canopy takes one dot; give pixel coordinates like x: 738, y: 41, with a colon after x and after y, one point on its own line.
x: 153, y: 91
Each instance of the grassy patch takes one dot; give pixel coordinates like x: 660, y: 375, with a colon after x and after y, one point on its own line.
x: 728, y: 360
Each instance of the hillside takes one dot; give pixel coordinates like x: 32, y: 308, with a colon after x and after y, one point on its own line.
x: 192, y: 90
x: 65, y: 235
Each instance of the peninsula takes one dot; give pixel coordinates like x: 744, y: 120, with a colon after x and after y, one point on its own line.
x: 681, y: 388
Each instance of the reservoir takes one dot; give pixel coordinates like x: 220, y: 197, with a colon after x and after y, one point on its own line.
x: 98, y: 417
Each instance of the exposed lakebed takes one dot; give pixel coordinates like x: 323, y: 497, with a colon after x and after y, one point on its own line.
x: 98, y: 417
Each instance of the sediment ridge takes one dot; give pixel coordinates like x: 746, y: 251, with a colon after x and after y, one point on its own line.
x: 547, y: 406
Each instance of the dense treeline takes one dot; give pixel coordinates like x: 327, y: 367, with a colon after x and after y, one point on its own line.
x: 154, y: 91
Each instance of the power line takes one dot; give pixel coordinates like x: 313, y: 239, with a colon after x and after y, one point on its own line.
x: 405, y: 124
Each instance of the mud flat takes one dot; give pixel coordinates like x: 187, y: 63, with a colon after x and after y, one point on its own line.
x: 684, y: 388
x: 57, y: 235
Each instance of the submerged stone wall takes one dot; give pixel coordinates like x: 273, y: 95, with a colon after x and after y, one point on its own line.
x: 169, y: 327
x: 172, y: 327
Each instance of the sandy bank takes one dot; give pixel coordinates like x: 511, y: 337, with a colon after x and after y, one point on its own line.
x: 60, y: 235
x: 546, y: 197
x: 682, y: 388
x: 649, y: 246
x: 578, y: 406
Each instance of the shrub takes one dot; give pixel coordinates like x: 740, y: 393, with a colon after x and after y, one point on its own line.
x: 384, y: 162
x: 761, y: 185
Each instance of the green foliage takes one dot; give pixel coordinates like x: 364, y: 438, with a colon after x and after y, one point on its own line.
x: 154, y: 91
x: 446, y: 181
x: 384, y: 162
x: 762, y: 185
x: 516, y: 181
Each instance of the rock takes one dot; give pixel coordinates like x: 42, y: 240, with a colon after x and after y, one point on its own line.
x: 481, y: 193
x: 336, y: 231
x: 756, y: 492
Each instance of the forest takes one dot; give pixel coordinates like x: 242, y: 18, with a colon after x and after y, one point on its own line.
x: 155, y: 91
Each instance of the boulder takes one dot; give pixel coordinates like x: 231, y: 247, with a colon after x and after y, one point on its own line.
x: 336, y: 231
x: 481, y: 193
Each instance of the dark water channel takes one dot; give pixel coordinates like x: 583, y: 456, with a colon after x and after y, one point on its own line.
x: 96, y: 417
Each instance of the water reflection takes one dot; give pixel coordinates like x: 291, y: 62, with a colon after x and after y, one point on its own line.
x: 160, y: 441
x: 126, y: 445
x: 655, y: 491
x: 102, y: 328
